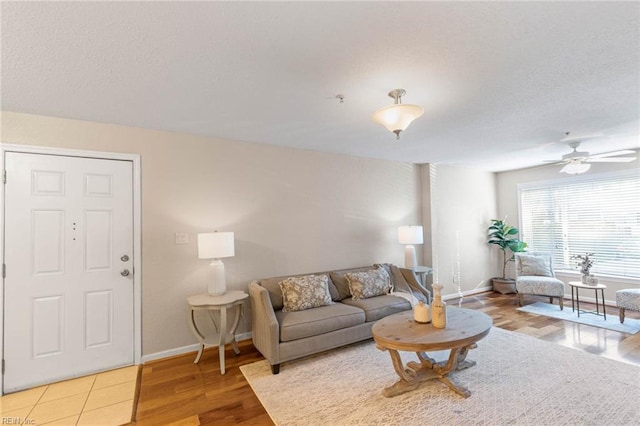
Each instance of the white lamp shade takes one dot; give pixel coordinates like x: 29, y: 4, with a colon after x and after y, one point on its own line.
x: 575, y: 168
x: 215, y: 245
x: 397, y: 117
x: 410, y: 234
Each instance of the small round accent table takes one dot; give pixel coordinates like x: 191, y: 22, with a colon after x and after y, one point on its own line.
x: 578, y: 285
x: 206, y: 302
x: 399, y: 332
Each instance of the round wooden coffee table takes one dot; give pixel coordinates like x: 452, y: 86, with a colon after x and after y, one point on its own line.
x: 399, y: 332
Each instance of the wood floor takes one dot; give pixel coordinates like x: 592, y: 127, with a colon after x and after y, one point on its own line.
x: 176, y: 391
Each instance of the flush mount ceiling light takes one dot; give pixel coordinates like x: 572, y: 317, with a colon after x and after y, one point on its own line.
x: 397, y: 117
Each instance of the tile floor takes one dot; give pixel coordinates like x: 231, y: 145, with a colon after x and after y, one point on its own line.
x: 101, y: 399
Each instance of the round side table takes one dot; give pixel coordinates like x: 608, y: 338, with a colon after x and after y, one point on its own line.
x: 577, y: 285
x: 211, y: 304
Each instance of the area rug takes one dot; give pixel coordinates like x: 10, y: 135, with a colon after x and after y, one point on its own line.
x: 518, y: 380
x: 630, y: 325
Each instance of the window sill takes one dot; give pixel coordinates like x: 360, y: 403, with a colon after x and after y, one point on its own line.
x: 575, y: 276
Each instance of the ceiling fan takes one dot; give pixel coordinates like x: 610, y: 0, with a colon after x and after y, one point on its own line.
x: 577, y: 162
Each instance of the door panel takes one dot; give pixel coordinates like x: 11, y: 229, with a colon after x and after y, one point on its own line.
x: 48, y: 326
x: 98, y: 318
x: 47, y: 182
x: 47, y: 241
x: 97, y: 185
x: 97, y: 240
x: 68, y: 311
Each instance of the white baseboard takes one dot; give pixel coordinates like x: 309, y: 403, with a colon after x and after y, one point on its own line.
x: 243, y: 336
x: 567, y: 300
x: 185, y: 349
x: 169, y: 353
x: 567, y: 297
x: 466, y: 293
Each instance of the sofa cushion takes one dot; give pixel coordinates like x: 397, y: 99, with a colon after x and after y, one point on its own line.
x: 316, y: 321
x: 306, y: 292
x: 275, y: 293
x: 535, y: 284
x: 341, y: 283
x: 379, y: 306
x: 363, y: 285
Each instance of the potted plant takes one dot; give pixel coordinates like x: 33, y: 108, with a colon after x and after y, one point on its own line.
x: 505, y: 237
x: 585, y: 263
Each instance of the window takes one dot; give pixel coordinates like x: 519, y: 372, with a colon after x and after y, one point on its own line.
x: 597, y: 214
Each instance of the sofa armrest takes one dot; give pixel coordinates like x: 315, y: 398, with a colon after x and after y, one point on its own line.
x: 414, y: 283
x: 265, y: 329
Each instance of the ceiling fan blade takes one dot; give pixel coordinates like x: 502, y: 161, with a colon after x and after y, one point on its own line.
x: 614, y: 153
x: 611, y: 160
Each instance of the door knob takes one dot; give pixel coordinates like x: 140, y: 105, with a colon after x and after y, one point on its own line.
x: 124, y: 272
x: 124, y: 258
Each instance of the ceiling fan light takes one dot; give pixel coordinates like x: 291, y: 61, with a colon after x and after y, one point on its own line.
x: 575, y: 168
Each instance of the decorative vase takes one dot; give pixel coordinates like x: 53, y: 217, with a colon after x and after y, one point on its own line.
x: 438, y: 308
x: 592, y: 280
x: 421, y: 313
x: 584, y: 279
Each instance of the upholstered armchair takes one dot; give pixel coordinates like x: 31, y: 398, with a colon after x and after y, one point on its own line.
x: 628, y: 299
x: 534, y: 275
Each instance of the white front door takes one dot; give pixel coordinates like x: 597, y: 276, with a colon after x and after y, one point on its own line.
x: 68, y: 301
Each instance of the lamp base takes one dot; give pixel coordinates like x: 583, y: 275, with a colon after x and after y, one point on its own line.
x: 217, y: 285
x: 410, y: 261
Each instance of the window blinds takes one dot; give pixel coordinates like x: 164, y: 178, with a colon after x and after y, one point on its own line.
x: 597, y: 214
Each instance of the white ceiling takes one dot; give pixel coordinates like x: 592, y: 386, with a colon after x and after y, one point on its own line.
x: 500, y: 82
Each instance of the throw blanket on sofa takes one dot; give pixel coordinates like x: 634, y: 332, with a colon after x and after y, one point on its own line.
x: 406, y: 296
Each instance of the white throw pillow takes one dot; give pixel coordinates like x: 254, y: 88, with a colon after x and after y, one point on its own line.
x: 535, y: 265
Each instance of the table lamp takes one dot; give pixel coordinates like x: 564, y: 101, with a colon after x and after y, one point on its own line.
x: 410, y: 235
x: 216, y: 245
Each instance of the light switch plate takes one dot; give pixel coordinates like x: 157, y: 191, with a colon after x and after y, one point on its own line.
x: 182, y: 238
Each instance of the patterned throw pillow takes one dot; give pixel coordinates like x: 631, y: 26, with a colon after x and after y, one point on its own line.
x: 363, y: 285
x: 309, y: 291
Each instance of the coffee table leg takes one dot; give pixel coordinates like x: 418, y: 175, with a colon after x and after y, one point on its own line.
x: 415, y: 373
x: 408, y: 377
x: 456, y: 361
x: 463, y: 362
x: 425, y: 360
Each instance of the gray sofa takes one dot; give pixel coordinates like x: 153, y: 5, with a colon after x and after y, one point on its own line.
x: 285, y: 336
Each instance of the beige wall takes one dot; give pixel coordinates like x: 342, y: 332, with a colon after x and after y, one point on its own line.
x: 507, y: 183
x: 462, y: 203
x: 292, y: 211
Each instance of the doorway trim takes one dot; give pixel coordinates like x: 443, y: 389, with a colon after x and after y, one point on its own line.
x: 137, y: 231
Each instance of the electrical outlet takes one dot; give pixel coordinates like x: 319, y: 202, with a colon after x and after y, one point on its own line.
x: 182, y: 238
